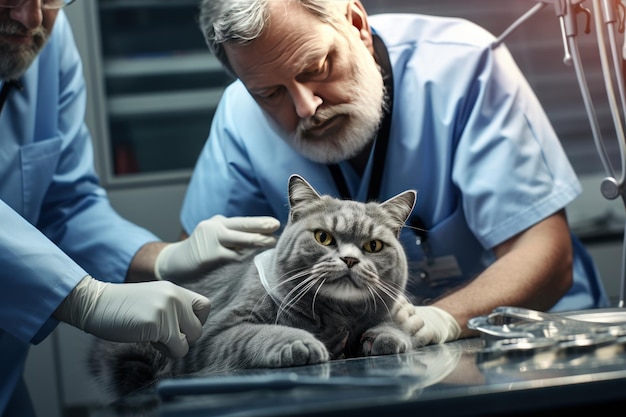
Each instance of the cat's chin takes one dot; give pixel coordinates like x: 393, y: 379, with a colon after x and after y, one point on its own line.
x: 345, y: 291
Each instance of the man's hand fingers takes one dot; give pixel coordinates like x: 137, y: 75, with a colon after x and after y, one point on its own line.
x: 254, y: 224
x: 234, y: 239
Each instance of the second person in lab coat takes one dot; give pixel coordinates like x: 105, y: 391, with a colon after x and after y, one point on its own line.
x: 58, y: 229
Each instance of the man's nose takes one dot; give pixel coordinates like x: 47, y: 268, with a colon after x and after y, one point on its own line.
x: 305, y: 100
x: 28, y: 14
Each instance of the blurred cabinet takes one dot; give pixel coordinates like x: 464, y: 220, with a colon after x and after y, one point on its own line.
x: 154, y: 85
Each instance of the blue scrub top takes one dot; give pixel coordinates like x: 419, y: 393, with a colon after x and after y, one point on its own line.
x: 467, y: 133
x: 57, y: 222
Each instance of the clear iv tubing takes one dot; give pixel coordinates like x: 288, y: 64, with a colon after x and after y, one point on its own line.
x: 599, y: 13
x: 593, y: 121
x: 609, y: 16
x: 610, y: 186
x: 590, y: 110
x: 517, y: 24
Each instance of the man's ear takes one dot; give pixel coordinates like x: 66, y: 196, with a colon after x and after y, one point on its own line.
x: 357, y: 17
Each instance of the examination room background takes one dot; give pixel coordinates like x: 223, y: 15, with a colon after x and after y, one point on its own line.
x: 145, y: 165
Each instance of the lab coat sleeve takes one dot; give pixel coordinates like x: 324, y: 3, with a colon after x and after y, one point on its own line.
x: 36, y: 276
x: 509, y: 163
x: 76, y: 213
x: 59, y: 225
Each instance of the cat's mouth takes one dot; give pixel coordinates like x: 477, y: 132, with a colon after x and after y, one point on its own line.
x: 355, y: 280
x: 349, y: 281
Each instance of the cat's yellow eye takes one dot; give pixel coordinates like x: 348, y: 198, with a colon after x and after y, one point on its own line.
x: 323, y: 237
x: 373, y: 246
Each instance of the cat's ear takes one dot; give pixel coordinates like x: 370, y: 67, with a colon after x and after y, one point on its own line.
x: 400, y: 207
x: 300, y: 192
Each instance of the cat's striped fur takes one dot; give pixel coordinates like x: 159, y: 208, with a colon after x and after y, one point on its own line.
x: 334, y: 275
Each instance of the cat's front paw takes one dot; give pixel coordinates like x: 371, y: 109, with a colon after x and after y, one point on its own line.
x: 299, y: 352
x: 384, y: 340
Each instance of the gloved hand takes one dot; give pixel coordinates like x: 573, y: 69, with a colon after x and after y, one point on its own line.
x: 213, y: 241
x: 426, y: 324
x: 155, y: 311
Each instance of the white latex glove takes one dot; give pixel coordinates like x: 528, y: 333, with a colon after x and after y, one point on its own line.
x: 426, y: 324
x: 213, y: 241
x: 157, y: 311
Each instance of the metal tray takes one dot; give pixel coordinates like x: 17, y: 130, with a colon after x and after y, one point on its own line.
x: 514, y: 331
x: 601, y: 315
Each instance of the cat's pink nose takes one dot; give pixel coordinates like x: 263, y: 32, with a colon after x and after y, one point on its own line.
x: 350, y: 261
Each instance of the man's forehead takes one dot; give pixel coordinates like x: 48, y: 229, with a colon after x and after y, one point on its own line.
x: 292, y: 44
x: 258, y: 63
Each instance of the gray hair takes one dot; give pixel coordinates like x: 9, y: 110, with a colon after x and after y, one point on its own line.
x: 243, y: 21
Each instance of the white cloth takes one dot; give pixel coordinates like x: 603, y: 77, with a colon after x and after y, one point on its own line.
x: 263, y: 262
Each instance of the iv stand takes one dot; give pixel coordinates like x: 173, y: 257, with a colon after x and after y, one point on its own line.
x: 606, y: 14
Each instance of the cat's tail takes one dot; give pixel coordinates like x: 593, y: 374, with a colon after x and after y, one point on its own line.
x: 122, y: 368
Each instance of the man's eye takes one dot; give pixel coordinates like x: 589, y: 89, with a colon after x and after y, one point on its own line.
x: 269, y: 95
x: 321, y: 70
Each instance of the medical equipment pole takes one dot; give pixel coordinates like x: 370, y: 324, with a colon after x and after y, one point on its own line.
x: 606, y: 13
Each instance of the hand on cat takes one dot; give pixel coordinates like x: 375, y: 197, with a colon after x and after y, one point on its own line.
x: 159, y: 311
x: 426, y: 324
x: 213, y: 241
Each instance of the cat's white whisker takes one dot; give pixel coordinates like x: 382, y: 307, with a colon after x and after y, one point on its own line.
x: 285, y: 279
x: 299, y: 290
x: 390, y: 292
x: 382, y: 299
x: 257, y: 305
x: 315, y: 295
x: 371, y: 291
x: 302, y: 289
x: 289, y: 276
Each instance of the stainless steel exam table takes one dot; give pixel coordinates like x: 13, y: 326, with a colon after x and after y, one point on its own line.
x: 480, y: 376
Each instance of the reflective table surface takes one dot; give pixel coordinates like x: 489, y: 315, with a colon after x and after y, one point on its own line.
x: 461, y: 378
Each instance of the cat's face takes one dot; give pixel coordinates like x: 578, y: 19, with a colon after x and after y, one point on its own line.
x: 343, y: 250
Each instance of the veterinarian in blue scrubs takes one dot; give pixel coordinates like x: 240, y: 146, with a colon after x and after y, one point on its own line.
x: 460, y: 125
x: 57, y: 228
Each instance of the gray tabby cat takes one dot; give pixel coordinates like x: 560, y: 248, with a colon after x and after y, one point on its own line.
x: 325, y: 292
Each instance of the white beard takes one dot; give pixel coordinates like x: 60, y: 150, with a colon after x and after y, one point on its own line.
x: 16, y: 59
x: 363, y: 114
